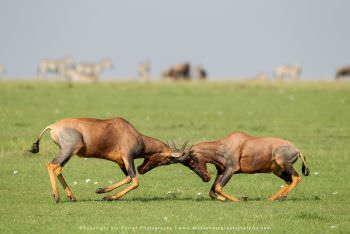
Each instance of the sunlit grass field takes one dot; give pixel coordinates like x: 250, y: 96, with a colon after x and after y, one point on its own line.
x: 314, y: 116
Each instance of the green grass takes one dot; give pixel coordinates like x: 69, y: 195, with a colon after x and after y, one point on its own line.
x: 314, y: 116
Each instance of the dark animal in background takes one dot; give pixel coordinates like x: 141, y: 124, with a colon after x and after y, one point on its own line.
x: 178, y: 71
x: 113, y: 139
x: 240, y: 153
x: 342, y: 73
x: 201, y: 73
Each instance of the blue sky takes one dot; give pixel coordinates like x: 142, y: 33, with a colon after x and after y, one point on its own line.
x: 230, y: 38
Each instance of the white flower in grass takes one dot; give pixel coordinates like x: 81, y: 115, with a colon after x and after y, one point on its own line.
x: 95, y: 182
x: 199, y: 194
x: 169, y: 192
x: 165, y: 218
x: 75, y: 183
x: 87, y: 180
x: 282, y: 186
x: 316, y: 173
x: 15, y: 172
x: 110, y: 182
x: 333, y: 226
x: 334, y: 193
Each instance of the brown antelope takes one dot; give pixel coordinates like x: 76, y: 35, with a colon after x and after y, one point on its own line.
x: 113, y: 139
x: 342, y: 72
x: 178, y: 71
x: 238, y: 153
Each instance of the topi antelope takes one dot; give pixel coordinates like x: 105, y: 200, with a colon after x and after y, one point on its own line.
x: 112, y: 139
x: 239, y: 153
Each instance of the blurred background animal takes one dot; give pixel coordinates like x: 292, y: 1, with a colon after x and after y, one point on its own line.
x: 342, y: 72
x: 292, y: 72
x: 71, y: 75
x: 144, y: 70
x: 200, y: 72
x: 178, y: 71
x: 94, y: 69
x: 54, y: 66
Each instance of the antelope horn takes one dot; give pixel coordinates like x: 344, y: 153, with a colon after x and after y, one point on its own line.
x: 173, y: 146
x: 184, y: 145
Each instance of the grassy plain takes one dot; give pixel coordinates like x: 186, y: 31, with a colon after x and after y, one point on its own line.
x: 315, y: 116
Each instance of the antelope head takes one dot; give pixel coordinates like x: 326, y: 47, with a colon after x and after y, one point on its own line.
x: 174, y: 155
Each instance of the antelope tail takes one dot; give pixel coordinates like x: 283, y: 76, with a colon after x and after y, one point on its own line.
x: 304, y: 169
x: 35, y: 146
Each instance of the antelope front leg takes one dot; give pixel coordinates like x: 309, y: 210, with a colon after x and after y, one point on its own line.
x: 212, y: 193
x: 114, y: 186
x: 223, y: 181
x: 129, y: 164
x: 218, y: 189
x: 135, y: 184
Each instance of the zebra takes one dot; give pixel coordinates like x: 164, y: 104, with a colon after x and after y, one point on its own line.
x: 55, y: 66
x: 292, y: 71
x: 144, y: 70
x: 94, y: 69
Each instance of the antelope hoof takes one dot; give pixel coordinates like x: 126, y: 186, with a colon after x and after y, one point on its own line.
x: 220, y: 198
x: 72, y: 198
x: 100, y: 190
x: 216, y: 196
x: 108, y: 198
x: 56, y: 197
